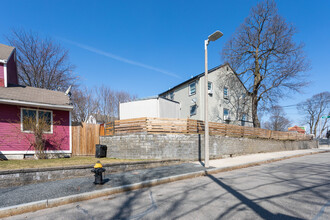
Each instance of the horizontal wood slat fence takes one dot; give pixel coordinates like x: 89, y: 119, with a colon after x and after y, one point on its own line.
x: 84, y: 138
x: 190, y: 126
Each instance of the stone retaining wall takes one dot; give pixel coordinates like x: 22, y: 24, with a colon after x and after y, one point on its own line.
x: 191, y: 146
x: 28, y: 176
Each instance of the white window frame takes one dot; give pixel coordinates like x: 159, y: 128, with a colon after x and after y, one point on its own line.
x: 37, y: 118
x: 228, y: 115
x: 195, y: 110
x: 225, y: 96
x: 190, y: 93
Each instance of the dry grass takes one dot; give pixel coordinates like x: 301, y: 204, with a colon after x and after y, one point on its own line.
x: 61, y: 162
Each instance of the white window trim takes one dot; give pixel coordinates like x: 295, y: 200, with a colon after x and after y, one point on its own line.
x: 225, y: 96
x: 226, y: 117
x: 189, y: 91
x: 37, y: 118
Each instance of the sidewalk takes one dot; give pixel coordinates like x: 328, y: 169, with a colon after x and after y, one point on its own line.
x: 15, y: 200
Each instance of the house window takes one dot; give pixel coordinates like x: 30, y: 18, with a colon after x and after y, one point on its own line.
x: 225, y: 114
x: 225, y: 92
x: 172, y: 96
x: 32, y: 117
x: 243, y: 119
x: 192, y: 88
x: 210, y: 87
x: 193, y: 110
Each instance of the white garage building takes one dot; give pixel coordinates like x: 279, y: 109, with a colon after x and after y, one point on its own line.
x: 149, y: 107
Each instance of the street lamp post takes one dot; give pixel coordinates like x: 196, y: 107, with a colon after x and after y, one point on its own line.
x: 213, y: 37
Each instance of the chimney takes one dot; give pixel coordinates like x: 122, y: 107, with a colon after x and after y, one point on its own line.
x: 8, y: 67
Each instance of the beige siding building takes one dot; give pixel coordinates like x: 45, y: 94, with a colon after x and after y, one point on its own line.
x: 229, y: 100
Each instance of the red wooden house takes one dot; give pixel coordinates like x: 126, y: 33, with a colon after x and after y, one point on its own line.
x: 20, y: 102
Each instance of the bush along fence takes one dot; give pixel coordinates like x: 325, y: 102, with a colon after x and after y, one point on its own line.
x: 190, y: 126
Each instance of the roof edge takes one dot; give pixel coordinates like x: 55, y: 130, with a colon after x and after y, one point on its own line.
x: 35, y: 104
x: 195, y: 77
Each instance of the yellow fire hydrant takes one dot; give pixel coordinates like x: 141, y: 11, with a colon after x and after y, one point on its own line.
x: 98, y: 170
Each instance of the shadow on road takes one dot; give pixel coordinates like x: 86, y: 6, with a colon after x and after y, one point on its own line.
x: 262, y: 212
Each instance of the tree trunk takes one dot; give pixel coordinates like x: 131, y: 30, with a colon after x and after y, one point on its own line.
x: 255, y: 118
x: 256, y: 84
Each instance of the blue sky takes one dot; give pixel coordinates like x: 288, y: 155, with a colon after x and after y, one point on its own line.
x: 146, y: 47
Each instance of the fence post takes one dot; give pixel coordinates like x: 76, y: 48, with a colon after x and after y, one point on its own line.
x: 101, y: 129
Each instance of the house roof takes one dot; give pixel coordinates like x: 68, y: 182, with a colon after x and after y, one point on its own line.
x: 296, y: 128
x: 30, y: 96
x: 202, y: 74
x: 5, y: 52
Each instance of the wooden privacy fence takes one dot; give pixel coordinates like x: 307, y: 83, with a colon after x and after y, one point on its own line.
x: 190, y: 126
x: 84, y: 138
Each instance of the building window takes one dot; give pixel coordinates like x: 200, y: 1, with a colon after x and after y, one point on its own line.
x: 243, y: 119
x: 225, y: 114
x: 172, y: 96
x: 193, y: 110
x: 32, y: 117
x: 192, y: 88
x: 210, y: 87
x: 225, y: 92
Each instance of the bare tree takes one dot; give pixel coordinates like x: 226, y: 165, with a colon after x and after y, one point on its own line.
x: 101, y: 102
x: 266, y: 58
x: 277, y: 121
x: 108, y: 102
x: 42, y: 62
x: 84, y: 104
x: 313, y: 110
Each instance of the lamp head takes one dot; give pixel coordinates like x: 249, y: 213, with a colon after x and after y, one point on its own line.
x: 215, y: 36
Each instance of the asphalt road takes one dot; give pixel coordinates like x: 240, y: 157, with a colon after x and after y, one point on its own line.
x: 297, y: 188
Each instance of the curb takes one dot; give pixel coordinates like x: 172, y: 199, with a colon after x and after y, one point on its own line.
x: 43, y: 204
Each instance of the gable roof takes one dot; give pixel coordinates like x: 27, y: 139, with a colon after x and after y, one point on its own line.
x: 30, y: 96
x: 298, y: 129
x: 202, y: 74
x: 5, y: 52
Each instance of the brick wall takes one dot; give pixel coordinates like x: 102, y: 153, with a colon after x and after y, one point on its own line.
x: 191, y: 146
